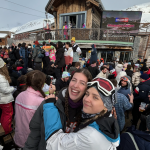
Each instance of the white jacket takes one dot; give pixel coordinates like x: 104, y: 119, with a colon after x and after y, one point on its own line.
x: 5, y: 91
x: 87, y: 138
x: 101, y: 75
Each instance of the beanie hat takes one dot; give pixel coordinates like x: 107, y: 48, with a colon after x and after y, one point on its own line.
x: 65, y: 74
x: 36, y: 42
x: 106, y: 100
x: 73, y: 39
x: 145, y: 69
x: 2, y: 63
x: 102, y: 85
x: 144, y: 76
x: 148, y: 122
x: 51, y: 62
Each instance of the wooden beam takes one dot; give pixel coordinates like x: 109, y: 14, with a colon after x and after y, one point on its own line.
x: 93, y: 2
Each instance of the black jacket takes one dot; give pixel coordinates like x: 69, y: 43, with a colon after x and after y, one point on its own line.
x: 60, y: 84
x: 144, y: 89
x: 94, y: 71
x: 50, y: 70
x: 17, y: 55
x: 12, y: 54
x: 129, y: 73
x: 60, y: 59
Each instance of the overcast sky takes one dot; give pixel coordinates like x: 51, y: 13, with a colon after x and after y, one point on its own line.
x: 9, y: 19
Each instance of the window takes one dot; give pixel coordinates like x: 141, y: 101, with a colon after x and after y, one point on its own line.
x: 76, y: 19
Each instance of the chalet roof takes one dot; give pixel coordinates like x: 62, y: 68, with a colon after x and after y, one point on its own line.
x: 52, y: 1
x: 3, y: 35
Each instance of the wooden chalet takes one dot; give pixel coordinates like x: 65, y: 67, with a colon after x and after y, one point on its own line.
x: 77, y: 12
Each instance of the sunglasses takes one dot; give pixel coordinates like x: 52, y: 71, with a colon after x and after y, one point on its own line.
x: 124, y: 79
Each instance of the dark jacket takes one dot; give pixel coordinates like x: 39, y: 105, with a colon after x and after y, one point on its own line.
x: 23, y: 52
x: 50, y: 70
x: 36, y: 138
x: 129, y: 73
x: 35, y: 55
x: 93, y: 54
x: 125, y: 91
x: 60, y: 59
x: 141, y: 138
x: 94, y: 71
x: 17, y: 55
x: 60, y: 84
x: 12, y: 54
x: 141, y: 92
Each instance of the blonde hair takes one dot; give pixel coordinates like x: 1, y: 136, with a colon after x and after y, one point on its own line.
x: 5, y: 73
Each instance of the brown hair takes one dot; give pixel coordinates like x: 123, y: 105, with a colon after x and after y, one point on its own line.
x: 22, y: 80
x: 36, y: 80
x: 77, y: 64
x: 129, y: 67
x: 89, y: 77
x: 4, y: 72
x: 114, y: 82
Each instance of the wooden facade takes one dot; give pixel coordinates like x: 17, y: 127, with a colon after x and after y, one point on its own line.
x: 91, y: 7
x: 3, y: 41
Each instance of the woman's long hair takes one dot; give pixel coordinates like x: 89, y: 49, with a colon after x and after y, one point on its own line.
x: 36, y: 79
x: 89, y: 77
x: 4, y: 72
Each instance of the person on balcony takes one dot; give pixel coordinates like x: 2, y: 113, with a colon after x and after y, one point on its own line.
x: 76, y: 51
x: 65, y: 31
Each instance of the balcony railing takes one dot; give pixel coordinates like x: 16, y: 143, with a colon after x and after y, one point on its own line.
x: 95, y: 34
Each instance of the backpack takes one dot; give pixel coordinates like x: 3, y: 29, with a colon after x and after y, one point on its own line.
x: 40, y: 53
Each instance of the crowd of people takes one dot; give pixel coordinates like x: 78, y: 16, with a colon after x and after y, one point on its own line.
x: 86, y: 108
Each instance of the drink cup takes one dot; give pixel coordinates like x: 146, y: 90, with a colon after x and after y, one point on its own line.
x: 143, y: 105
x: 141, y: 109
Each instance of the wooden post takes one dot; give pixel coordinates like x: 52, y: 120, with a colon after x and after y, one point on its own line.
x: 98, y: 34
x: 70, y: 33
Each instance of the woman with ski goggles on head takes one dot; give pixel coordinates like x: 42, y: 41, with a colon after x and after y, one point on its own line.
x: 97, y: 130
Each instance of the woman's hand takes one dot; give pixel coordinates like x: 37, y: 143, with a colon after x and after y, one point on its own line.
x: 52, y: 89
x: 50, y: 96
x: 113, y: 112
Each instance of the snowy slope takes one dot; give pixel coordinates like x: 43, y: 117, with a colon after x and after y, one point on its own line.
x: 145, y: 8
x: 32, y: 25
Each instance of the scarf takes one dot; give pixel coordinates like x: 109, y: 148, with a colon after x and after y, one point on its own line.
x: 86, y: 116
x: 75, y: 105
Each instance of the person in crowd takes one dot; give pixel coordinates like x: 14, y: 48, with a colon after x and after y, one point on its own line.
x: 129, y: 71
x: 6, y: 98
x: 30, y: 51
x: 136, y: 76
x: 65, y: 27
x: 125, y: 86
x: 76, y: 51
x: 119, y: 75
x: 46, y: 58
x: 143, y: 64
x: 50, y: 69
x: 73, y: 69
x: 70, y: 100
x: 101, y: 63
x: 6, y: 55
x: 140, y: 95
x: 12, y: 53
x: 14, y: 75
x: 93, y: 69
x: 102, y: 74
x: 63, y: 82
x: 17, y: 55
x: 146, y: 70
x: 93, y: 54
x: 21, y: 85
x: 35, y: 57
x: 24, y: 54
x: 108, y: 68
x: 60, y: 59
x: 19, y: 64
x: 121, y: 106
x: 26, y: 104
x: 134, y: 139
x: 68, y: 55
x: 97, y: 124
x: 119, y: 68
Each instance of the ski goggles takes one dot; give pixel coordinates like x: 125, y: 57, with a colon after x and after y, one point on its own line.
x: 124, y: 79
x: 103, y: 85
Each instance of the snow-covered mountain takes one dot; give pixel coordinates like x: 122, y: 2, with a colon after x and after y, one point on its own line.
x: 145, y: 8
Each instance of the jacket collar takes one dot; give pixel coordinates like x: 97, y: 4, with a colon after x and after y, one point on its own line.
x: 31, y: 90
